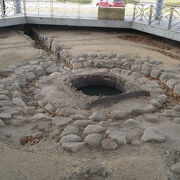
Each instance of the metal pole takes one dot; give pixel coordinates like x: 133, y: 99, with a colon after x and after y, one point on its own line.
x: 170, y: 18
x: 3, y: 6
x: 150, y: 14
x: 159, y: 7
x: 134, y: 13
x: 17, y: 4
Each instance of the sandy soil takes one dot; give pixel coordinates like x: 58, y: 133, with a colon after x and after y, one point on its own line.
x: 81, y: 41
x: 15, y: 47
x: 129, y: 163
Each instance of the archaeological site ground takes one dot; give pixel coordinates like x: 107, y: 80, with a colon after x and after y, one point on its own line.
x: 88, y: 103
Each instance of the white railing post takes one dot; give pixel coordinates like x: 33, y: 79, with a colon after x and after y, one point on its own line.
x: 150, y: 14
x: 3, y: 6
x: 24, y: 5
x: 159, y: 7
x: 170, y: 18
x: 134, y: 13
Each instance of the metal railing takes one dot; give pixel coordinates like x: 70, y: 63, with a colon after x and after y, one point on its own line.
x: 146, y: 13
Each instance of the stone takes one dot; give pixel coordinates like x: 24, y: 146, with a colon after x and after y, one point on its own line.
x: 176, y: 108
x: 70, y: 130
x: 77, y: 65
x: 170, y: 114
x: 149, y: 108
x: 40, y: 117
x: 70, y: 138
x: 156, y: 103
x: 119, y: 114
x: 66, y: 112
x: 117, y: 136
x: 93, y: 140
x: 171, y: 83
x: 91, y: 54
x: 131, y: 123
x: 30, y: 76
x: 52, y: 69
x: 55, y: 47
x: 146, y: 69
x: 5, y: 116
x: 37, y: 134
x: 82, y: 123
x: 19, y: 102
x: 108, y: 144
x: 151, y: 118
x: 175, y: 168
x: 98, y: 116
x: 151, y: 136
x: 78, y: 117
x: 91, y: 129
x: 176, y: 120
x: 50, y: 108
x: 61, y: 121
x: 1, y: 123
x: 177, y: 89
x: 136, y: 112
x: 4, y: 97
x: 29, y: 110
x: 137, y: 142
x: 73, y: 146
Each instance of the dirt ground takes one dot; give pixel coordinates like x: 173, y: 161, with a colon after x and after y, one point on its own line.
x: 82, y: 41
x: 15, y: 47
x: 137, y: 163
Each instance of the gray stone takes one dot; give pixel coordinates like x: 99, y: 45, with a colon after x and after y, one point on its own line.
x: 171, y: 83
x: 146, y: 69
x: 78, y: 117
x: 93, y: 140
x: 61, y: 121
x: 19, y: 102
x: 91, y: 129
x: 37, y: 134
x: 1, y: 123
x: 176, y: 108
x: 4, y: 97
x: 55, y: 47
x: 70, y: 138
x: 40, y: 117
x: 117, y: 135
x: 82, y: 123
x: 52, y: 69
x: 77, y: 65
x: 49, y: 107
x: 98, y: 116
x: 119, y: 114
x: 70, y: 130
x: 108, y: 144
x: 29, y: 110
x: 149, y: 108
x: 170, y: 114
x: 137, y: 142
x: 176, y: 120
x: 175, y: 168
x: 136, y: 112
x: 5, y: 116
x: 30, y: 76
x: 177, y: 89
x: 73, y: 146
x: 131, y: 123
x: 91, y: 54
x: 151, y: 118
x: 151, y: 136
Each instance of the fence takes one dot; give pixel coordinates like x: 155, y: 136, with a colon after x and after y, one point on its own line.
x: 145, y: 13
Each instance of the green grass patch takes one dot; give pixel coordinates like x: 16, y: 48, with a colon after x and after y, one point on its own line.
x: 77, y: 1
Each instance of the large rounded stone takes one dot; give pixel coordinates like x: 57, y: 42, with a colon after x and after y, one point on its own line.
x: 119, y: 114
x: 93, y: 140
x: 98, y: 116
x: 40, y: 117
x: 151, y: 118
x: 176, y: 168
x: 1, y: 123
x: 73, y: 146
x: 117, y: 135
x: 82, y: 123
x: 70, y: 138
x: 70, y: 130
x: 61, y: 121
x: 108, y: 144
x: 5, y: 116
x: 91, y: 129
x: 151, y: 136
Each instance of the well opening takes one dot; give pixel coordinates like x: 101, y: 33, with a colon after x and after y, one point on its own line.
x: 97, y: 85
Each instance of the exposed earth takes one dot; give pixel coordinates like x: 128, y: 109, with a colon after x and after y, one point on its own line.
x: 49, y: 130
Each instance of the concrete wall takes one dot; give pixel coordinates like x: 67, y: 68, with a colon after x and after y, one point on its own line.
x: 111, y: 13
